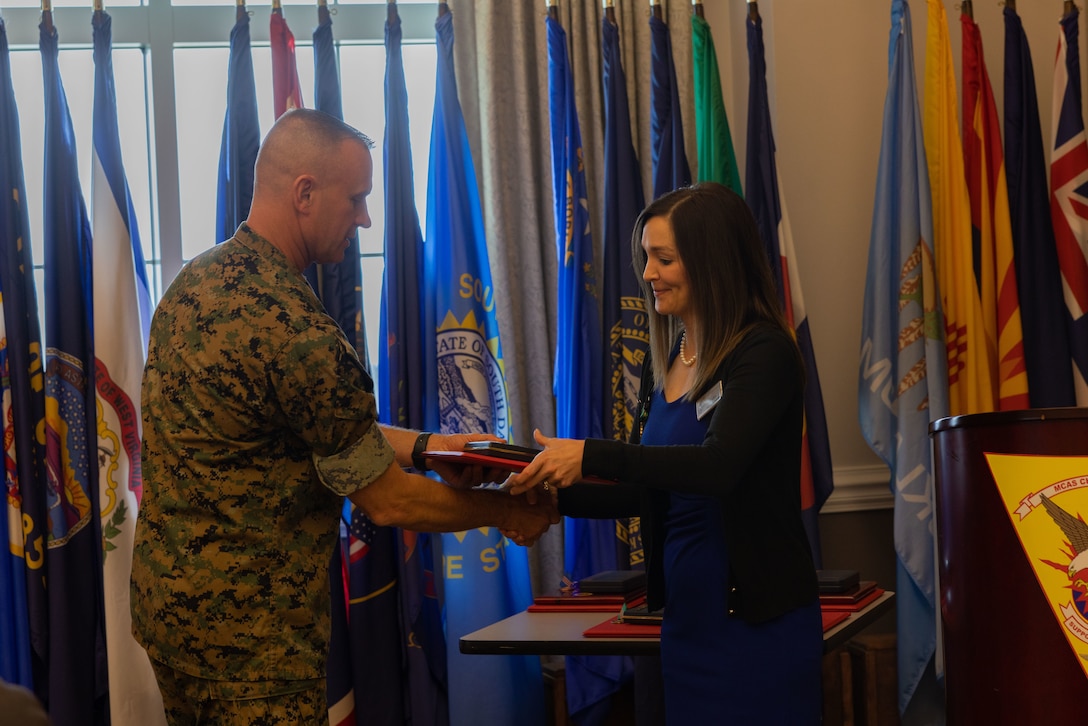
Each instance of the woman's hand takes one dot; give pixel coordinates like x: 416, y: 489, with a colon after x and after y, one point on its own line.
x: 558, y: 465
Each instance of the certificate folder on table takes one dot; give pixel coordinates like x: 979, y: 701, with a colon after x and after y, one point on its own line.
x: 581, y: 602
x: 636, y: 623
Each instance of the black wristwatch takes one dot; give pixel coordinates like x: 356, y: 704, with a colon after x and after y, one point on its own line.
x: 417, y: 451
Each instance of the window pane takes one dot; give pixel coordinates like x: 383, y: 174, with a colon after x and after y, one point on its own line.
x: 202, y: 73
x: 78, y: 3
x: 77, y: 74
x: 268, y: 3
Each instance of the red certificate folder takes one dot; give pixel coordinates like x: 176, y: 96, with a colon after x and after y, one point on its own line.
x: 873, y: 596
x: 493, y: 461
x: 614, y: 628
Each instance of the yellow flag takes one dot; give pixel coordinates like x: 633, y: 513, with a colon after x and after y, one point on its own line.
x: 1046, y: 497
x: 972, y: 386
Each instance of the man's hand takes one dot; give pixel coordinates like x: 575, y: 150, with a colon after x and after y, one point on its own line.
x: 461, y: 476
x: 528, y: 521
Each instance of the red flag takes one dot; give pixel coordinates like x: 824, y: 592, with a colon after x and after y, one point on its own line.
x: 285, y: 88
x: 991, y: 228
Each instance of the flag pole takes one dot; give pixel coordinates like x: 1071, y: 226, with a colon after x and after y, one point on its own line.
x: 965, y: 8
x: 241, y: 11
x: 443, y: 8
x: 753, y: 10
x: 655, y: 8
x: 1011, y: 5
x: 553, y: 9
x: 277, y: 8
x: 47, y: 15
x: 697, y: 7
x: 1067, y: 7
x: 323, y: 10
x: 97, y: 7
x: 610, y: 10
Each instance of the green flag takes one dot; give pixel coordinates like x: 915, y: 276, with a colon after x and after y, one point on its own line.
x: 717, y: 162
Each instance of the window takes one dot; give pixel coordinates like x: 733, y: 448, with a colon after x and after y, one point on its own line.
x: 170, y: 68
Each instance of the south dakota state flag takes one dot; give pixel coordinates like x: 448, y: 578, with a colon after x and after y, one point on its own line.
x: 486, y: 577
x: 765, y: 199
x: 122, y: 317
x: 77, y: 678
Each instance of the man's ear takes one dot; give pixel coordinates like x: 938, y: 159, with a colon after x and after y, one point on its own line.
x: 303, y: 192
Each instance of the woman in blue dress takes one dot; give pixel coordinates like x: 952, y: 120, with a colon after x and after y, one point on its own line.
x: 713, y: 468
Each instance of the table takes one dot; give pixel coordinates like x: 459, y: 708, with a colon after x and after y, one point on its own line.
x: 561, y: 634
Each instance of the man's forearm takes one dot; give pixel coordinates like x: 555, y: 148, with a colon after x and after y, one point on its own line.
x: 418, y: 503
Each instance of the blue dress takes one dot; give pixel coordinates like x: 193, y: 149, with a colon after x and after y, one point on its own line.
x: 720, y: 669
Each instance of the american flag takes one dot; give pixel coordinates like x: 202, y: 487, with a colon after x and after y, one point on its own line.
x: 362, y: 532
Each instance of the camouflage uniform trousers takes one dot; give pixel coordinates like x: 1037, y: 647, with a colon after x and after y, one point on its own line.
x: 191, y: 700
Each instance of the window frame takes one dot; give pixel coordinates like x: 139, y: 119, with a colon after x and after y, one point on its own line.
x: 159, y: 28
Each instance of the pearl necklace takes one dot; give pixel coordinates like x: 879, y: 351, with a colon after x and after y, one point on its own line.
x: 689, y: 362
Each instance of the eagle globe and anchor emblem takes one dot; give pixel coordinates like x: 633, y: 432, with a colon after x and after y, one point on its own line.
x: 1075, y: 529
x: 471, y: 379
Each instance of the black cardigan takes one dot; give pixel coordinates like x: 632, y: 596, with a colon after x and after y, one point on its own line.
x: 750, y: 461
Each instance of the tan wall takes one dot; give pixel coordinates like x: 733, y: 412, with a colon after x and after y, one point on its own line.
x: 827, y: 77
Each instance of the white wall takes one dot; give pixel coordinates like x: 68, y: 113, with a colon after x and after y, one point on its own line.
x: 827, y: 77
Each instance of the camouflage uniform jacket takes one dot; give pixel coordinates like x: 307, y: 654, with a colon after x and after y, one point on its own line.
x: 248, y: 382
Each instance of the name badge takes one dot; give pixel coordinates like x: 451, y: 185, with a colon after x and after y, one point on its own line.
x: 709, y: 400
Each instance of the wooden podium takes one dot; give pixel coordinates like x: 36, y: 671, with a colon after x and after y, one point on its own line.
x: 1006, y: 658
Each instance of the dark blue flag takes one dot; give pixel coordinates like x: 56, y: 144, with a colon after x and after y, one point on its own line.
x: 1038, y: 277
x: 764, y: 197
x: 486, y: 577
x: 670, y: 161
x: 339, y: 285
x: 241, y: 136
x: 401, y: 387
x: 623, y: 311
x: 21, y: 613
x: 589, y: 544
x: 78, y: 687
x: 364, y: 683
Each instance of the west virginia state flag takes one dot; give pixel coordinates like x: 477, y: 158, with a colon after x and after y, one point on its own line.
x: 971, y: 382
x: 991, y: 228
x: 122, y: 319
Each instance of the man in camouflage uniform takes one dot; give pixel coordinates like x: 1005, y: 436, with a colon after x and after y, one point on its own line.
x: 258, y: 419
